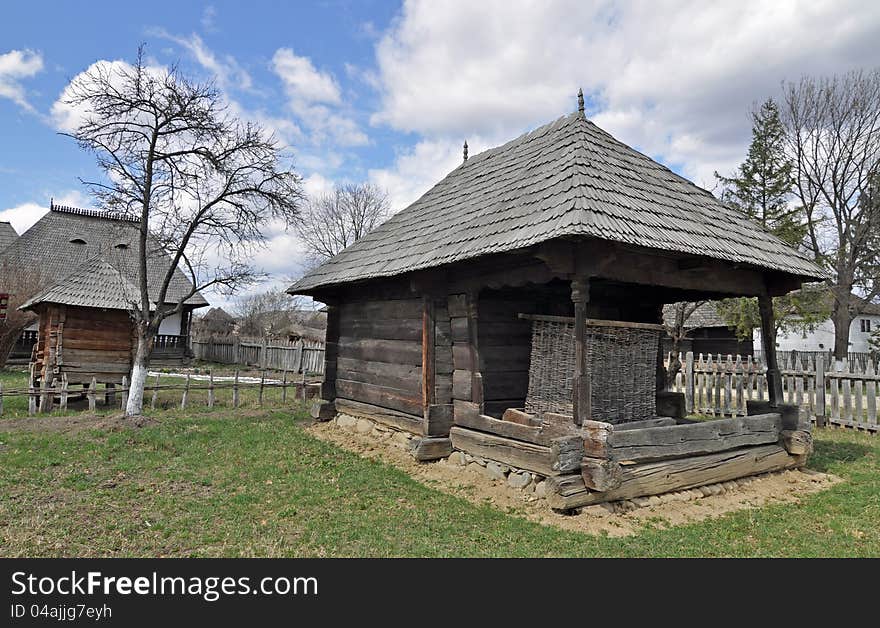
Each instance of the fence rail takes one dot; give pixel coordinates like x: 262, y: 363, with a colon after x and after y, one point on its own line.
x: 299, y: 357
x: 721, y: 386
x: 44, y: 399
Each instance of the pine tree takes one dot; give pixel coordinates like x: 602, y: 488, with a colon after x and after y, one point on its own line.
x: 761, y: 188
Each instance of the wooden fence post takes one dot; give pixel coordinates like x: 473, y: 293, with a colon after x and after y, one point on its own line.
x: 93, y: 391
x: 210, y: 389
x: 1, y: 398
x: 261, y: 359
x: 689, y: 382
x: 236, y: 349
x: 64, y: 392
x: 262, y: 383
x: 155, y: 393
x: 304, y: 385
x: 124, y: 392
x: 284, y: 386
x: 235, y: 390
x: 32, y: 399
x: 183, y: 397
x: 871, y: 387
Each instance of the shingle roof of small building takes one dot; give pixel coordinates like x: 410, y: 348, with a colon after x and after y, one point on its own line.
x: 567, y: 178
x: 706, y: 315
x: 96, y: 283
x: 67, y: 238
x: 8, y: 235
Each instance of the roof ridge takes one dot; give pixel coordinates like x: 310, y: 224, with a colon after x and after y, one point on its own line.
x: 91, y: 213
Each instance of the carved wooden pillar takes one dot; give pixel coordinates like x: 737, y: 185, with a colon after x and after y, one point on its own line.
x: 581, y: 384
x: 474, y: 349
x: 768, y: 340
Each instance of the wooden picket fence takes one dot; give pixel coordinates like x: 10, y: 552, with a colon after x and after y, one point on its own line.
x: 721, y: 385
x: 301, y: 356
x: 46, y: 398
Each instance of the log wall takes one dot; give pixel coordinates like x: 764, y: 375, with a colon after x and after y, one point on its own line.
x: 380, y: 353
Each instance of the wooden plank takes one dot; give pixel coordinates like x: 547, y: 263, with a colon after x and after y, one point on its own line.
x: 654, y: 478
x: 695, y: 439
x: 375, y: 350
x: 519, y: 454
x: 408, y: 422
x: 466, y: 417
x: 521, y: 417
x: 393, y: 309
x: 382, y: 396
x: 428, y: 366
x: 689, y: 382
x: 646, y: 423
x: 409, y: 329
x: 402, y: 376
x: 871, y: 392
x: 596, y: 322
x: 847, y: 400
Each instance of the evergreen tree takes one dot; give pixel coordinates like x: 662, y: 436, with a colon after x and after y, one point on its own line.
x: 761, y: 188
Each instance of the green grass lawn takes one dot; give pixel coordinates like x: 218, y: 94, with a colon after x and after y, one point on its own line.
x: 255, y: 483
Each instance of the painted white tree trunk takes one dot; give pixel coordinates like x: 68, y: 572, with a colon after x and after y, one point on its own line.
x: 139, y: 368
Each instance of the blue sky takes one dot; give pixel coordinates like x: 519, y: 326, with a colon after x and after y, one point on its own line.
x: 387, y: 92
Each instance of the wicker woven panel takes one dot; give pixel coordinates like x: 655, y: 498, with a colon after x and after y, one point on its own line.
x: 621, y: 362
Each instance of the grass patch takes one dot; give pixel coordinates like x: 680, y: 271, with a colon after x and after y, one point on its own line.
x: 255, y: 483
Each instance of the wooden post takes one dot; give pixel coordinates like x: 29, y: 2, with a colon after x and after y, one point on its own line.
x: 284, y: 386
x: 124, y: 391
x: 236, y: 349
x: 689, y: 382
x: 45, y: 396
x: 474, y: 349
x: 262, y: 383
x: 263, y: 361
x: 581, y: 385
x: 64, y: 392
x: 1, y: 398
x: 235, y: 390
x: 428, y: 373
x: 210, y: 389
x: 92, y: 394
x: 331, y: 352
x: 109, y: 394
x: 183, y: 398
x: 768, y: 340
x: 304, y: 384
x: 32, y: 399
x: 155, y: 393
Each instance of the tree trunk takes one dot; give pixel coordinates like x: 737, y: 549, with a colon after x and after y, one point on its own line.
x: 139, y: 368
x: 842, y: 320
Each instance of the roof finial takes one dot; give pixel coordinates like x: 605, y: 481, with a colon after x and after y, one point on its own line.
x: 465, y: 150
x: 580, y: 100
x: 51, y: 203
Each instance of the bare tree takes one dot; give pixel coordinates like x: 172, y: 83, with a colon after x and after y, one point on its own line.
x: 677, y: 328
x: 268, y: 313
x: 335, y: 220
x: 202, y: 184
x: 21, y: 283
x: 833, y: 139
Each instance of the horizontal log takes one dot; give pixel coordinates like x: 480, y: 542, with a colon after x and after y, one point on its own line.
x: 797, y: 442
x: 382, y: 328
x: 523, y: 455
x: 465, y: 416
x: 424, y: 449
x: 676, y: 441
x: 403, y: 376
x: 382, y: 396
x: 401, y: 420
x: 523, y: 418
x: 593, y: 322
x: 601, y: 475
x: 638, y: 425
x: 373, y: 350
x: 654, y: 478
x: 387, y: 309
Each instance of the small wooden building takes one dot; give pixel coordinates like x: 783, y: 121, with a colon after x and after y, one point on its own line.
x: 87, y: 268
x: 521, y: 298
x: 706, y: 333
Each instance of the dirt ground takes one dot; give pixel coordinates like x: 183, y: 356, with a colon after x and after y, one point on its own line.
x: 475, y: 486
x: 75, y: 423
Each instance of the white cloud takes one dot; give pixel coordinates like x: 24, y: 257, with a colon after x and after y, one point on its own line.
x: 302, y: 81
x: 209, y: 19
x: 226, y: 69
x: 16, y: 65
x: 311, y: 94
x: 24, y: 216
x: 675, y: 79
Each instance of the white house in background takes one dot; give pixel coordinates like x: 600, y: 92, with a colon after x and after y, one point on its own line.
x: 822, y: 337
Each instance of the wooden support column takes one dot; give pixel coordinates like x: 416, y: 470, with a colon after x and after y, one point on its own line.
x: 581, y: 385
x: 331, y: 353
x: 474, y: 349
x: 768, y: 340
x: 428, y: 366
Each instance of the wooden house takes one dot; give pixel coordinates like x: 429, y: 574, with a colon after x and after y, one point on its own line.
x: 8, y: 235
x: 88, y: 272
x: 514, y: 312
x: 706, y: 332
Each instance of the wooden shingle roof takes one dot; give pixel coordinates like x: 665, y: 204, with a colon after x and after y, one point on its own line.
x: 67, y: 238
x: 8, y: 235
x: 97, y: 283
x: 567, y: 178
